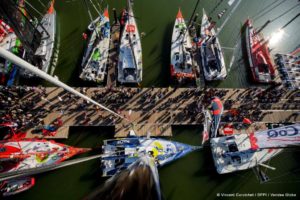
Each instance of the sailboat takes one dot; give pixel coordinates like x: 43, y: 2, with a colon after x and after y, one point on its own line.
x: 130, y: 66
x: 8, y: 41
x: 120, y: 153
x: 212, y: 57
x: 243, y: 151
x: 95, y: 59
x: 43, y: 54
x: 16, y: 186
x: 181, y: 47
x: 236, y: 152
x: 21, y: 154
x: 260, y: 61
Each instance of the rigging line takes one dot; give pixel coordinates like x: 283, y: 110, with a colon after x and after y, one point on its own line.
x: 34, y: 8
x: 95, y: 7
x: 192, y: 16
x: 228, y: 17
x: 268, y: 10
x: 23, y: 64
x: 276, y: 182
x: 213, y: 10
x: 42, y: 4
x: 99, y: 5
x: 285, y: 174
x: 267, y: 6
x: 91, y: 18
x: 284, y: 26
x: 285, y: 12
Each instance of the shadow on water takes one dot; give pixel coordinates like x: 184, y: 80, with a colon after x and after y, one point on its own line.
x: 166, y: 54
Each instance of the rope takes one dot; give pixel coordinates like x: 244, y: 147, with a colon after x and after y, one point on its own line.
x: 267, y: 10
x: 284, y: 13
x: 34, y: 8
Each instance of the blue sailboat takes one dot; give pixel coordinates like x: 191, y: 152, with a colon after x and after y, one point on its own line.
x: 120, y: 153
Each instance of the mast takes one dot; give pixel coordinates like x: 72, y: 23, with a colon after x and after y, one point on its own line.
x: 27, y: 66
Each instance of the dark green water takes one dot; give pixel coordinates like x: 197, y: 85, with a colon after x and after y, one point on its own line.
x: 194, y: 176
x: 156, y: 19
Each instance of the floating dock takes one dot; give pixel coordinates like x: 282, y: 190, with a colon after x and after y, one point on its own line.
x: 113, y: 55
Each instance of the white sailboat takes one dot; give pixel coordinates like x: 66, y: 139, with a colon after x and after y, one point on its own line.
x: 95, y: 59
x: 181, y: 47
x: 130, y: 67
x: 122, y: 152
x: 244, y: 151
x: 211, y: 53
x: 43, y: 54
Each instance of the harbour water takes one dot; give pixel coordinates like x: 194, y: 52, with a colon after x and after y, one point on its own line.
x: 156, y: 19
x: 192, y: 177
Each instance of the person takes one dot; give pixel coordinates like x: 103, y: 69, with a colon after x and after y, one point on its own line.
x: 84, y: 36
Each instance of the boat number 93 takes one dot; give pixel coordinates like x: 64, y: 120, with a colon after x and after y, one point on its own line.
x: 287, y: 131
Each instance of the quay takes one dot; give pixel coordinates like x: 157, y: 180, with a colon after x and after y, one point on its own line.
x: 146, y: 111
x: 113, y: 55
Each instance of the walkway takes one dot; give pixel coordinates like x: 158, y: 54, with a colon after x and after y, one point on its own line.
x: 156, y: 110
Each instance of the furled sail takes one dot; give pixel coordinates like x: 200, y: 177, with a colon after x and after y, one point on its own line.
x: 284, y: 136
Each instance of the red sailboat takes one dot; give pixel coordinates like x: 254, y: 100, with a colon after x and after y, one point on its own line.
x: 21, y: 154
x: 261, y: 63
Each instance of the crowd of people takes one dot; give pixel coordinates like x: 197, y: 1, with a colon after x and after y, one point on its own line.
x: 20, y: 110
x: 20, y: 104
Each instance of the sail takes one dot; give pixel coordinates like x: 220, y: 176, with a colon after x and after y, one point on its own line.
x: 284, y: 136
x: 21, y: 22
x: 217, y: 111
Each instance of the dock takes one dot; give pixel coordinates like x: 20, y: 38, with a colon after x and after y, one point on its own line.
x: 154, y: 110
x: 196, y: 58
x: 113, y: 55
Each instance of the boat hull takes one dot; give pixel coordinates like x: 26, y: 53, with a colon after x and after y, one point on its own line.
x: 44, y: 52
x: 260, y: 61
x: 95, y: 60
x: 181, y: 50
x: 120, y: 153
x: 16, y: 186
x: 31, y: 153
x: 212, y: 57
x: 234, y: 153
x: 130, y: 68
